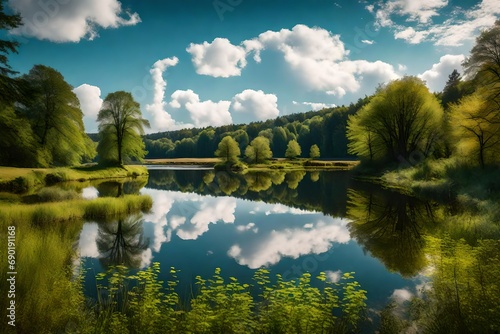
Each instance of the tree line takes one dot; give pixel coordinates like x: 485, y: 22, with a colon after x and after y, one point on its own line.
x: 325, y: 128
x: 41, y: 123
x: 404, y: 123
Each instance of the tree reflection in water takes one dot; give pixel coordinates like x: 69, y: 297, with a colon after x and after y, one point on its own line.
x: 122, y: 242
x: 390, y: 225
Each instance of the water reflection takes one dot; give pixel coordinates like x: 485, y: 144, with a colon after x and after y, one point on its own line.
x: 122, y: 242
x: 289, y: 222
x: 390, y: 226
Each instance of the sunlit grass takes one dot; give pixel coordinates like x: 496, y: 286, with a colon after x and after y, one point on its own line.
x: 21, y: 180
x: 43, y: 280
x: 43, y: 214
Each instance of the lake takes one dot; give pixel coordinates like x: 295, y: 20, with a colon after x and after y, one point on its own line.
x: 291, y: 223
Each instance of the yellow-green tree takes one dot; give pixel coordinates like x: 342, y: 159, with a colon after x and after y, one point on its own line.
x: 476, y: 128
x: 293, y: 150
x: 259, y: 150
x: 228, y: 150
x: 120, y: 129
x: 401, y: 119
x: 314, y: 152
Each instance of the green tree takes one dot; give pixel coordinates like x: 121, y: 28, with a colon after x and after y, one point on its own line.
x: 120, y: 128
x: 18, y: 146
x: 476, y: 127
x: 485, y: 56
x: 293, y: 150
x: 451, y: 91
x: 401, y: 119
x: 56, y: 119
x: 206, y: 143
x: 279, y: 141
x: 259, y: 150
x: 8, y: 86
x: 228, y: 150
x: 314, y: 152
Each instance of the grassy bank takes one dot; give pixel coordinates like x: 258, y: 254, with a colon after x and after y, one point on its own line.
x: 183, y: 161
x: 301, y: 164
x: 19, y: 180
x: 446, y: 179
x: 278, y: 163
x: 103, y: 208
x: 472, y: 194
x: 48, y: 297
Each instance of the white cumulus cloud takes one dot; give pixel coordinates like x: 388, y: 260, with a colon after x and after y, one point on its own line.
x: 421, y: 11
x: 90, y: 104
x: 162, y: 120
x: 256, y: 104
x: 70, y: 21
x: 458, y: 27
x: 437, y: 76
x: 219, y: 58
x: 316, y: 105
x: 317, y: 58
x: 268, y: 249
x: 202, y: 113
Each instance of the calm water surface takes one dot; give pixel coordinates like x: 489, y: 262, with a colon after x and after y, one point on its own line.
x: 290, y: 223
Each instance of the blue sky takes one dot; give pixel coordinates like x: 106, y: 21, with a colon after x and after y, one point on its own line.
x: 214, y: 62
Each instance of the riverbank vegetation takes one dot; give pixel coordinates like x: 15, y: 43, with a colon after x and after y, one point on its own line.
x: 22, y: 180
x: 139, y: 304
x: 421, y: 147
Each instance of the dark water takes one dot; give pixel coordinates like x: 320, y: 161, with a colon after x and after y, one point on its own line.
x: 290, y: 223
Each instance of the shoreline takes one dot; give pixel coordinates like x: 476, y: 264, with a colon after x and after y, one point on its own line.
x: 273, y: 165
x: 22, y: 180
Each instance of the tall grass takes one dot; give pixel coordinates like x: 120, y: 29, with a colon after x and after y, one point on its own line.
x: 46, y: 297
x: 44, y: 214
x: 21, y: 180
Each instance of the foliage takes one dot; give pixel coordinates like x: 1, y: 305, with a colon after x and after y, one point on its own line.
x: 49, y: 295
x: 55, y: 194
x: 476, y: 129
x: 485, y: 56
x: 8, y: 86
x: 100, y: 209
x: 325, y: 128
x: 120, y: 128
x: 464, y: 292
x: 403, y: 118
x: 314, y: 152
x: 293, y: 150
x: 228, y: 150
x: 56, y: 119
x: 19, y: 180
x: 452, y: 91
x: 221, y: 306
x: 259, y: 150
x: 17, y: 142
x: 390, y: 226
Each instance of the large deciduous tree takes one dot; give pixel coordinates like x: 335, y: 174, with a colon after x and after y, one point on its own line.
x: 120, y: 129
x: 259, y: 150
x: 476, y: 128
x: 401, y: 120
x: 485, y: 56
x: 228, y: 150
x: 56, y: 119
